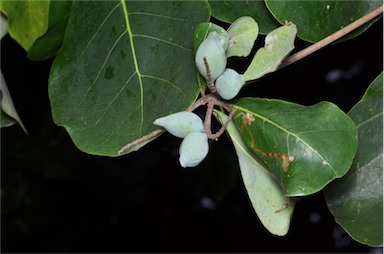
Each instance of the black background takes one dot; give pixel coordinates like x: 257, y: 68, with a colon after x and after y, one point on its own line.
x: 57, y: 199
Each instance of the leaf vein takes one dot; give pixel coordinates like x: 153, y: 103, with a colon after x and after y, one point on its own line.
x: 162, y: 40
x: 98, y: 30
x: 369, y: 119
x: 115, y: 97
x: 161, y: 79
x: 102, y: 67
x: 156, y: 15
x: 136, y: 64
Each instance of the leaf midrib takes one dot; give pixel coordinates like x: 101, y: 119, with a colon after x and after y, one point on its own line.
x: 135, y: 62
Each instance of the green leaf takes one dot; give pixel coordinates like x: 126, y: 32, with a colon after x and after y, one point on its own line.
x: 27, y: 20
x: 121, y: 66
x: 242, y: 35
x: 203, y: 30
x: 229, y: 11
x: 317, y: 19
x: 356, y: 200
x: 278, y: 44
x: 305, y: 147
x: 271, y: 206
x: 50, y: 42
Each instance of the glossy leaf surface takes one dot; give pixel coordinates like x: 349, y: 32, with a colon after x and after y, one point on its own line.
x: 271, y: 206
x: 356, y: 200
x: 316, y: 19
x: 229, y: 11
x: 278, y: 44
x: 305, y: 147
x: 133, y: 63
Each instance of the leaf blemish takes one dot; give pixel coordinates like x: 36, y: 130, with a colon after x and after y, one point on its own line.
x: 247, y: 120
x: 109, y: 72
x: 285, y: 206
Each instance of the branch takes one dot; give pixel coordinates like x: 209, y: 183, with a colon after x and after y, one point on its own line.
x: 140, y: 140
x: 331, y: 38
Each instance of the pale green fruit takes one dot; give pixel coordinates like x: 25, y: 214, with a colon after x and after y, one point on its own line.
x: 193, y: 149
x: 229, y: 84
x: 180, y: 124
x: 213, y: 51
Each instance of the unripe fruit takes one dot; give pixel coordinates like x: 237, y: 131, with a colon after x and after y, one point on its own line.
x: 180, y: 124
x: 193, y: 149
x: 229, y: 84
x: 213, y: 51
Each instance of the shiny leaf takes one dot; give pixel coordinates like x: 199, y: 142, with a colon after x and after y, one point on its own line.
x: 356, y: 200
x: 305, y: 147
x: 278, y: 44
x: 316, y: 19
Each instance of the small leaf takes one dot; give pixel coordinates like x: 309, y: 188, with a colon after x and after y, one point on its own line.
x: 278, y: 44
x: 229, y: 11
x: 356, y: 200
x: 242, y: 35
x: 202, y: 31
x: 305, y: 147
x: 271, y: 206
x: 28, y: 20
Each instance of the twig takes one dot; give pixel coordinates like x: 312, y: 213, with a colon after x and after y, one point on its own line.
x: 140, y: 140
x: 331, y: 38
x: 224, y: 126
x: 210, y: 84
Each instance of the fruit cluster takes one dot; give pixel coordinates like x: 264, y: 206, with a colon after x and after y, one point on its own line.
x: 189, y: 126
x: 211, y: 62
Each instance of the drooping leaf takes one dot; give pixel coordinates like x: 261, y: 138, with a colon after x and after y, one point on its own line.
x: 278, y: 44
x: 305, y: 147
x: 5, y: 120
x: 356, y: 200
x: 28, y: 20
x: 271, y: 206
x: 8, y: 109
x: 242, y: 35
x: 122, y: 65
x: 316, y: 19
x: 50, y: 42
x: 202, y: 31
x: 3, y: 26
x: 229, y: 11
